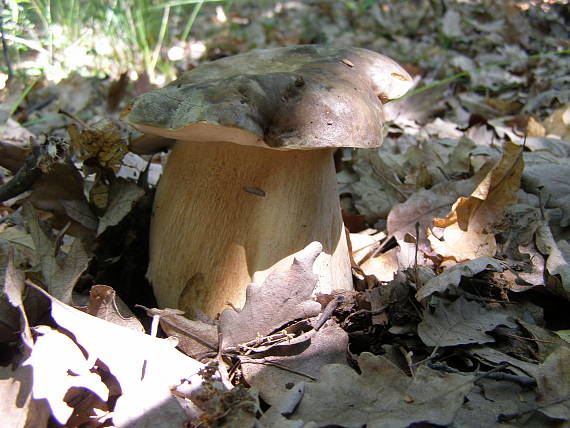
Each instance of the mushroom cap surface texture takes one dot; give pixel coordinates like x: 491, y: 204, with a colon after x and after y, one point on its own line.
x: 300, y: 97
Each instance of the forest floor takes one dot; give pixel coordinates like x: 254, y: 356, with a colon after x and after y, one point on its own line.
x: 459, y: 228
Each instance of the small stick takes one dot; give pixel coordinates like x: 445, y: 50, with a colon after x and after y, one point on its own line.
x: 24, y: 179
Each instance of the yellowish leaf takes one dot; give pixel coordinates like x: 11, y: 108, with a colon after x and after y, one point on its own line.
x: 470, y: 226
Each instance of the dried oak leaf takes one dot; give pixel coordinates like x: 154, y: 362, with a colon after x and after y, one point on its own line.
x: 195, y: 337
x: 452, y: 276
x: 423, y: 206
x: 146, y: 368
x: 17, y: 407
x: 286, y: 366
x: 382, y: 396
x: 469, y: 227
x: 459, y: 323
x: 60, y: 272
x: 60, y: 365
x: 283, y: 297
x: 554, y: 385
x: 105, y: 304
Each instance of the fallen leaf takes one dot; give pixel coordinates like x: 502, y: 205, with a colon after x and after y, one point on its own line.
x: 451, y: 24
x: 378, y: 187
x: 145, y: 367
x: 460, y: 323
x: 558, y: 260
x: 550, y: 180
x: 452, y: 276
x: 17, y: 407
x: 558, y: 123
x: 12, y: 313
x: 60, y: 273
x: 553, y: 379
x: 123, y: 195
x: 59, y: 365
x: 380, y: 396
x: 195, y: 338
x: 490, y: 398
x: 423, y: 206
x: 273, y: 371
x: 275, y: 417
x: 469, y: 227
x: 384, y: 266
x: 105, y: 304
x: 494, y: 357
x: 283, y: 297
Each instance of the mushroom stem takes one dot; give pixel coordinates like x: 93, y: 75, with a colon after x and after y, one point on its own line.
x: 225, y: 212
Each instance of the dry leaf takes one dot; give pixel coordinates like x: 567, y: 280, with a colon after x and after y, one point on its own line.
x: 382, y: 396
x: 550, y: 180
x: 553, y: 381
x: 17, y: 407
x: 283, y: 297
x: 59, y: 365
x: 146, y: 368
x: 558, y: 261
x: 452, y: 276
x: 123, y: 196
x: 60, y: 273
x: 469, y: 228
x: 104, y: 303
x: 558, y: 123
x: 102, y: 141
x: 273, y: 372
x: 459, y: 323
x: 195, y: 338
x: 12, y: 312
x: 423, y: 206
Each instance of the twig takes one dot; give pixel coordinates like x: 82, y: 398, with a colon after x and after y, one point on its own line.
x: 364, y: 312
x: 265, y: 361
x: 73, y: 117
x: 525, y: 381
x: 24, y: 179
x: 329, y: 309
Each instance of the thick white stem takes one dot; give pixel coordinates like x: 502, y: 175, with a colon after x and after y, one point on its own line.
x: 224, y: 213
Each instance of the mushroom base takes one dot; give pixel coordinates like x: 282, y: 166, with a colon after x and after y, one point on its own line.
x: 226, y: 214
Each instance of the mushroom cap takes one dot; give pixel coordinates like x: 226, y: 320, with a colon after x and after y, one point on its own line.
x: 300, y: 97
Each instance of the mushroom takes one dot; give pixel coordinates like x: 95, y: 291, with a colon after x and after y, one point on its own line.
x: 251, y: 178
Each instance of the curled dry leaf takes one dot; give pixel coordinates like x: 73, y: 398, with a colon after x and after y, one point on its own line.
x: 452, y: 276
x: 146, y: 368
x: 423, y: 206
x: 59, y: 365
x: 105, y: 304
x: 558, y: 261
x: 470, y: 226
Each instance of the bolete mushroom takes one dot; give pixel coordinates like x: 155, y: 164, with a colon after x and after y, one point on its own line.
x: 251, y: 178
